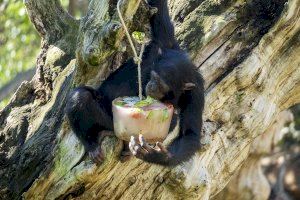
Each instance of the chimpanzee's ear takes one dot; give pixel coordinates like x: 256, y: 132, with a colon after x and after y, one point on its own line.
x: 189, y: 86
x: 155, y: 76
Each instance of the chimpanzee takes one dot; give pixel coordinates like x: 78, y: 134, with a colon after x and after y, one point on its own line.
x: 168, y: 75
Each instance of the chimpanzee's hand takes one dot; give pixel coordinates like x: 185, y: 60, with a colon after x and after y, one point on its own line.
x: 142, y: 150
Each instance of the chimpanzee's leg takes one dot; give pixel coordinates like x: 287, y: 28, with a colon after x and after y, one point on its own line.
x: 88, y: 119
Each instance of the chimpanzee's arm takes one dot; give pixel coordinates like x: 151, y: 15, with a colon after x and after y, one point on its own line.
x: 161, y: 26
x: 188, y: 141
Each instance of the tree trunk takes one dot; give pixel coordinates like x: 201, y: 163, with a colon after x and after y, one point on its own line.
x: 248, y: 52
x: 250, y: 183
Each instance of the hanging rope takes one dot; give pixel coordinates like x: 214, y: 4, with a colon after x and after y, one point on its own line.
x: 137, y: 59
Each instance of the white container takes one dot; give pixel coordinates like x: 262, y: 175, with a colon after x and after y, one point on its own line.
x: 149, y: 117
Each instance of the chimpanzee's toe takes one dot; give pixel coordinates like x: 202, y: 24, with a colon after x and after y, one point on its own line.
x: 125, y: 156
x: 97, y: 155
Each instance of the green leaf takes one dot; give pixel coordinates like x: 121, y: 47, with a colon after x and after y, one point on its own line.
x: 120, y: 103
x: 139, y: 36
x: 150, y: 114
x: 146, y: 102
x: 165, y: 115
x: 139, y: 110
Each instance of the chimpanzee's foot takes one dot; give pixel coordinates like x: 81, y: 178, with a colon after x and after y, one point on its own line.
x: 97, y: 154
x: 126, y: 155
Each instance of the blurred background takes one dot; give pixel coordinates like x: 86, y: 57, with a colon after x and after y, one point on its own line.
x: 20, y: 43
x: 279, y: 161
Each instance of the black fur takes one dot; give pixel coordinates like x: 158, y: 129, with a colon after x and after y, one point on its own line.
x: 89, y: 111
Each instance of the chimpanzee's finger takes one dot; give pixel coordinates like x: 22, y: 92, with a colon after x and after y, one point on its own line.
x: 140, y: 152
x: 144, y: 144
x: 131, y: 145
x: 161, y: 147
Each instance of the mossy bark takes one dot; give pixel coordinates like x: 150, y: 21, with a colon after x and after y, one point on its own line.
x: 250, y: 183
x: 247, y: 50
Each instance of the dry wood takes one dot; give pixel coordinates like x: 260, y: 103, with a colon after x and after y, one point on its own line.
x: 248, y: 52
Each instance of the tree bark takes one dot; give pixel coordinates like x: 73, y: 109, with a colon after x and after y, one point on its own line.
x: 250, y: 183
x: 247, y: 50
x: 79, y: 6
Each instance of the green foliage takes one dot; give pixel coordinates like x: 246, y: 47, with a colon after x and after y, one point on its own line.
x: 139, y: 36
x: 4, y: 102
x: 165, y: 115
x: 146, y: 102
x: 65, y: 3
x: 19, y: 42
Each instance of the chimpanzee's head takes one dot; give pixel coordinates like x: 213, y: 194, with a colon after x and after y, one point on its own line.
x: 161, y: 89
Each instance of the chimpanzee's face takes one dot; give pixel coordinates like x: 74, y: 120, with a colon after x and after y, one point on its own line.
x: 157, y: 87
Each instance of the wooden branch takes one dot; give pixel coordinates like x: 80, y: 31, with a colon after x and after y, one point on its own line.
x: 252, y: 72
x: 251, y: 96
x: 250, y: 182
x: 100, y: 36
x: 72, y: 7
x: 49, y: 18
x: 241, y: 103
